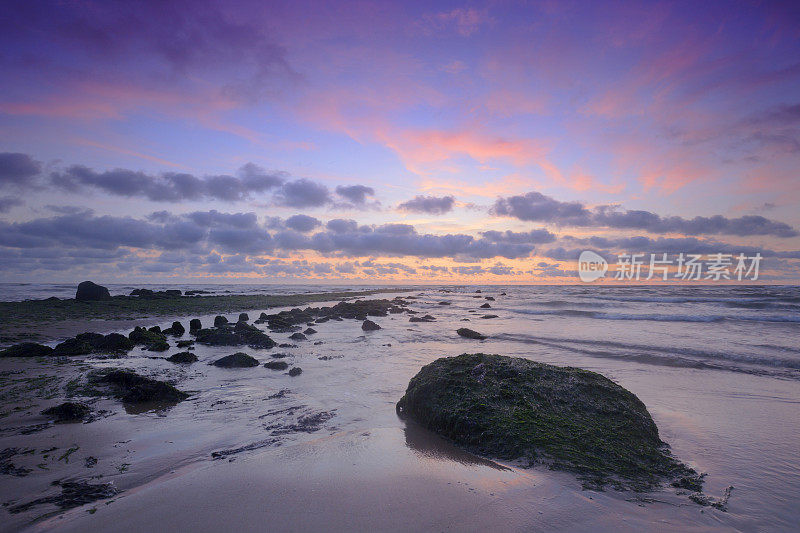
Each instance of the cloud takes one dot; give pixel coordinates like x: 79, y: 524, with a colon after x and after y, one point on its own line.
x: 536, y: 236
x: 7, y: 202
x: 536, y: 207
x: 302, y: 223
x: 356, y: 194
x: 303, y: 193
x: 16, y: 168
x: 431, y: 205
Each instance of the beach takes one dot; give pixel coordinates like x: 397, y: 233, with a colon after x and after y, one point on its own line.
x: 718, y: 369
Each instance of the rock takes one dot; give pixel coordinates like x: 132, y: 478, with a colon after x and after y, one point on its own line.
x: 155, y: 329
x: 184, y: 344
x: 195, y: 325
x: 176, y: 329
x: 486, y: 306
x: 89, y: 343
x: 279, y: 355
x: 489, y: 316
x: 478, y: 291
x: 566, y: 418
x: 470, y: 334
x: 276, y: 365
x: 489, y: 298
x: 151, y: 340
x: 130, y: 387
x: 503, y: 294
x: 242, y: 334
x: 244, y: 317
x: 426, y: 318
x: 296, y: 371
x: 309, y: 331
x: 369, y: 325
x: 444, y: 303
x: 26, y: 349
x: 68, y: 412
x: 173, y: 293
x: 89, y: 292
x: 298, y: 337
x: 182, y: 357
x: 237, y: 360
x: 287, y: 345
x: 220, y: 321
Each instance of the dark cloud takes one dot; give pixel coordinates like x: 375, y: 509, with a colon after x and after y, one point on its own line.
x: 536, y: 236
x: 302, y: 223
x: 16, y: 168
x: 536, y: 207
x: 431, y: 205
x: 340, y: 225
x: 303, y: 193
x: 356, y: 194
x: 7, y: 202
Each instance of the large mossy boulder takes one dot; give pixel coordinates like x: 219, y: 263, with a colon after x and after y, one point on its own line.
x: 568, y: 418
x: 90, y: 343
x: 240, y: 335
x: 26, y: 349
x: 88, y: 292
x: 236, y: 360
x: 130, y: 387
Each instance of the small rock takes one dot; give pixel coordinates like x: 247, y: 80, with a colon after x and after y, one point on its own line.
x: 276, y: 365
x: 310, y: 331
x: 244, y: 317
x: 470, y: 334
x: 182, y: 357
x: 68, y: 412
x: 220, y: 321
x: 296, y: 371
x: 297, y: 336
x: 369, y: 325
x: 486, y: 306
x: 237, y: 360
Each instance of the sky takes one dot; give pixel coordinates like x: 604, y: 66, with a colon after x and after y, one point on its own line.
x: 394, y: 141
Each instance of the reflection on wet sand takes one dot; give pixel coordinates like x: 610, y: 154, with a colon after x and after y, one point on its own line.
x: 429, y: 445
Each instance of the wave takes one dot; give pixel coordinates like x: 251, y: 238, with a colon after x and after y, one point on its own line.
x: 601, y: 315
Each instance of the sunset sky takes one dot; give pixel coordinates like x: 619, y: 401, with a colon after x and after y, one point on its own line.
x: 450, y: 142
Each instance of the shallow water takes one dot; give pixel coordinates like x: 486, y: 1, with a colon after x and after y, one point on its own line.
x: 725, y: 394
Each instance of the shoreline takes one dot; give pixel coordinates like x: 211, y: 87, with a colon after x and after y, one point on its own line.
x: 51, y: 319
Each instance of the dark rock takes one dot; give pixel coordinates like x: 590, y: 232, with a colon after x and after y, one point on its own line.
x: 296, y: 371
x: 130, y: 387
x: 489, y: 316
x: 151, y: 340
x: 184, y: 343
x: 478, y: 291
x: 68, y: 412
x: 566, y: 418
x: 279, y: 355
x: 489, y: 298
x: 287, y: 345
x: 196, y: 292
x: 89, y: 343
x: 73, y: 494
x: 220, y: 321
x: 426, y: 318
x: 276, y: 365
x: 174, y: 293
x: 182, y: 357
x: 89, y: 292
x: 244, y: 317
x: 195, y: 325
x: 486, y: 306
x: 444, y: 303
x: 155, y: 329
x: 26, y: 349
x: 470, y: 334
x: 176, y: 329
x: 237, y: 360
x: 503, y: 294
x: 369, y: 325
x: 242, y: 334
x: 298, y: 337
x: 309, y: 331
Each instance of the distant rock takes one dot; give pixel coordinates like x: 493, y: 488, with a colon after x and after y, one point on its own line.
x: 426, y: 318
x: 298, y: 337
x: 369, y: 325
x: 176, y: 329
x: 276, y: 365
x: 89, y: 343
x: 237, y: 360
x: 444, y: 303
x: 151, y: 340
x: 486, y: 306
x: 68, y: 412
x: 296, y: 371
x: 184, y: 344
x: 195, y: 325
x: 470, y: 334
x: 309, y: 331
x: 242, y: 334
x: 26, y: 349
x: 88, y: 292
x: 244, y: 317
x: 220, y: 321
x: 489, y: 298
x: 182, y: 357
x: 489, y: 316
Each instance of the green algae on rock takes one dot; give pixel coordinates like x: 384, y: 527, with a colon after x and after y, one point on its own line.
x: 568, y: 418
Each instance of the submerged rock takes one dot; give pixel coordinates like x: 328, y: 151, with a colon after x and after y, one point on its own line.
x: 26, y: 349
x: 470, y: 334
x: 567, y: 418
x: 182, y: 357
x: 132, y: 388
x: 276, y: 365
x: 236, y: 360
x: 89, y: 291
x: 296, y: 371
x: 369, y: 325
x: 68, y: 412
